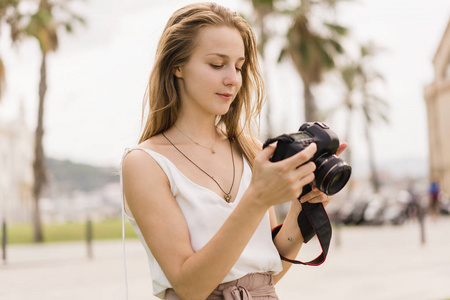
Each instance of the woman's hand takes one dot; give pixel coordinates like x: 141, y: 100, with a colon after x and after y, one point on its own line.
x: 282, y: 181
x: 341, y: 148
x: 289, y: 240
x: 316, y: 196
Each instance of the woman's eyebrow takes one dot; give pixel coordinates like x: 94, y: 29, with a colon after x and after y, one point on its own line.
x: 225, y: 56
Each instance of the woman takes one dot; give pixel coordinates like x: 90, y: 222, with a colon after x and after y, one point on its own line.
x: 200, y: 191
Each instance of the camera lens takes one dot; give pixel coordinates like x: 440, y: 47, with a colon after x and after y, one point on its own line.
x: 332, y: 174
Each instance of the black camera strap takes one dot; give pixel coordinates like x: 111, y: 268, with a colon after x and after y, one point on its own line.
x: 312, y: 220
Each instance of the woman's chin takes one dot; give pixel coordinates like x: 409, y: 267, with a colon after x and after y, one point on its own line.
x: 222, y: 110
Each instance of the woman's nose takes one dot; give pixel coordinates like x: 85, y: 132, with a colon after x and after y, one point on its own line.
x: 232, y: 77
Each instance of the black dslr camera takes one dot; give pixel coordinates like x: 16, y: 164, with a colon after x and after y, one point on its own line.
x: 332, y: 173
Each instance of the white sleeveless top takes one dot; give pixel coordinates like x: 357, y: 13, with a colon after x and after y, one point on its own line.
x: 205, y: 213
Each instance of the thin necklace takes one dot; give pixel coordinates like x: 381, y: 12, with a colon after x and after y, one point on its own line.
x: 226, y: 196
x: 197, y: 143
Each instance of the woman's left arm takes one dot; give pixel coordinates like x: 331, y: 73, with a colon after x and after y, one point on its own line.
x: 289, y: 239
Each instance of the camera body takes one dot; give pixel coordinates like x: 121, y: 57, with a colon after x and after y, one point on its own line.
x: 332, y: 173
x: 318, y: 132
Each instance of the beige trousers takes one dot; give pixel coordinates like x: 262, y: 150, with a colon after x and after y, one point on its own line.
x: 254, y: 286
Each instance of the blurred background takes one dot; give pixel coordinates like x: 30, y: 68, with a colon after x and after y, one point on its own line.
x: 72, y: 79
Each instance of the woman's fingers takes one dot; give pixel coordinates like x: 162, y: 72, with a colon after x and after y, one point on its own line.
x: 341, y: 148
x: 301, y: 157
x: 267, y: 152
x: 283, y: 180
x: 307, y: 179
x: 316, y: 196
x: 315, y: 199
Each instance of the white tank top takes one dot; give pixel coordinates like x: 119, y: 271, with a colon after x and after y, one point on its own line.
x: 205, y: 213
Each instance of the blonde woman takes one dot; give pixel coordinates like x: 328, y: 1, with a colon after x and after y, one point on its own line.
x: 198, y: 189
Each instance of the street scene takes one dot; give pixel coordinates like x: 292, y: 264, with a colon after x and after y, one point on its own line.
x: 386, y: 262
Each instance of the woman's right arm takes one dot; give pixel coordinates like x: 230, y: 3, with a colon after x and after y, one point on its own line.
x: 194, y: 275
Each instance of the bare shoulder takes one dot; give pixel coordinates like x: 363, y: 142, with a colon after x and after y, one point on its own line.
x: 144, y: 181
x: 138, y: 163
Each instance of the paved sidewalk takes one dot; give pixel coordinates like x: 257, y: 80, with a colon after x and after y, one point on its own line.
x: 372, y: 263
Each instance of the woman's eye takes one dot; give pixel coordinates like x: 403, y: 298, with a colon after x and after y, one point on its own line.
x: 218, y: 67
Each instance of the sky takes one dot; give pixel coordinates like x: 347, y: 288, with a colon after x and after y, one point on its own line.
x: 97, y: 78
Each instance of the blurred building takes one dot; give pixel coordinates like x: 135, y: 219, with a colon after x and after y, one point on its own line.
x: 437, y: 98
x: 16, y: 170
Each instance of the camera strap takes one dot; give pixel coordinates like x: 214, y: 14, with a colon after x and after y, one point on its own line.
x: 312, y: 220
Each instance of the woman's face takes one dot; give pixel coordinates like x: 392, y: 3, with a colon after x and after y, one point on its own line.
x: 211, y: 79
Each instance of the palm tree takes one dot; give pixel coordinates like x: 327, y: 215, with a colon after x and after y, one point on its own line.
x: 2, y: 78
x: 44, y: 26
x: 312, y: 51
x: 263, y: 10
x: 349, y: 76
x: 10, y: 14
x: 374, y: 108
x: 358, y: 78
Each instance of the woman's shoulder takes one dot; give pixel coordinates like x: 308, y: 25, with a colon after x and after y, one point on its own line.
x: 155, y: 143
x: 138, y: 158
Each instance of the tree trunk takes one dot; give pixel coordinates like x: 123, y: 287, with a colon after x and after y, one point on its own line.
x: 310, y: 105
x: 348, y: 132
x: 373, y: 171
x: 264, y: 38
x: 39, y: 160
x: 2, y: 79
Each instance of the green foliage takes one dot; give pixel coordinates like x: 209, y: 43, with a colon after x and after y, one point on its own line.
x: 9, y: 15
x: 43, y: 25
x: 74, y: 231
x: 266, y: 4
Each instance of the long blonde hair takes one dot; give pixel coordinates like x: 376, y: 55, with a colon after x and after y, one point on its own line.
x: 175, y: 48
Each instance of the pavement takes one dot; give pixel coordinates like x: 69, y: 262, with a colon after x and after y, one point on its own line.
x: 385, y: 262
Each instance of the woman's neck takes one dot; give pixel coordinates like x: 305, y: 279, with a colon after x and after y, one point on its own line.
x: 199, y: 130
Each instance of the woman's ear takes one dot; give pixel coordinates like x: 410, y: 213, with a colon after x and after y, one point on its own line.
x: 178, y: 72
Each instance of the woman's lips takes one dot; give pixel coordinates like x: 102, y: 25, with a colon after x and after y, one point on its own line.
x: 225, y: 96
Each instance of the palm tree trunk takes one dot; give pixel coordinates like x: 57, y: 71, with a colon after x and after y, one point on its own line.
x: 262, y: 51
x: 310, y: 105
x: 348, y: 134
x: 2, y: 78
x: 39, y: 162
x: 373, y: 170
x: 268, y: 117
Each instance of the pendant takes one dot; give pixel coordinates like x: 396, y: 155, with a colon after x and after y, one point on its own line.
x: 213, y: 151
x: 227, y: 198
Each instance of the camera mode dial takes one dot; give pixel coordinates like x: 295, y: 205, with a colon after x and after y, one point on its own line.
x: 323, y: 125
